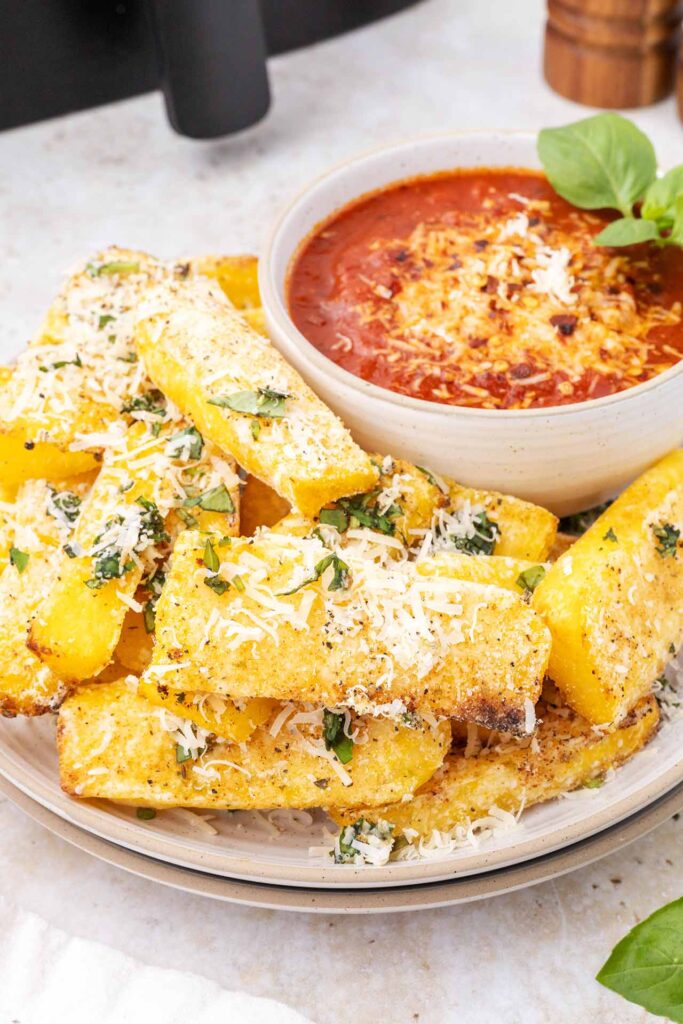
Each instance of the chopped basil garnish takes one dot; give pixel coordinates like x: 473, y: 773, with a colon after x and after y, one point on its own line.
x: 19, y: 559
x: 151, y: 525
x: 152, y: 401
x: 63, y: 506
x: 104, y: 320
x: 238, y: 584
x: 130, y: 357
x: 211, y: 559
x: 115, y: 267
x: 262, y: 402
x: 334, y: 736
x: 69, y: 551
x: 186, y: 517
x: 145, y: 813
x: 154, y: 585
x: 334, y: 517
x: 611, y: 535
x: 107, y: 562
x: 530, y: 578
x: 339, y: 581
x: 668, y: 537
x: 595, y: 783
x: 361, y: 510
x: 486, y: 533
x: 217, y: 584
x: 186, y: 444
x: 181, y: 754
x: 346, y: 853
x: 216, y: 500
x: 255, y: 429
x: 107, y: 567
x: 60, y: 363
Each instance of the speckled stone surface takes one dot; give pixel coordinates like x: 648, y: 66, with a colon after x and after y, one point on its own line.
x: 118, y: 174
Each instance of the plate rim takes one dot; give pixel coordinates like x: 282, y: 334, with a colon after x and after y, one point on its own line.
x: 426, y: 896
x: 176, y: 850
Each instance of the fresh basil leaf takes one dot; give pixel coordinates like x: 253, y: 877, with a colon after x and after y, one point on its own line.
x: 115, y: 267
x: 530, y: 578
x: 339, y: 581
x: 262, y: 402
x: 662, y: 194
x: 627, y: 231
x: 334, y: 517
x: 186, y: 444
x: 211, y: 559
x: 611, y: 535
x: 344, y: 749
x: 217, y: 584
x: 105, y: 319
x: 181, y: 754
x: 646, y: 967
x: 216, y: 500
x: 600, y: 162
x: 186, y: 517
x: 668, y: 536
x: 19, y: 559
x: 334, y: 736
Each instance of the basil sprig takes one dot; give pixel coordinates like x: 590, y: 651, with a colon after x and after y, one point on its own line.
x: 334, y: 736
x: 646, y: 967
x: 606, y: 162
x: 263, y: 402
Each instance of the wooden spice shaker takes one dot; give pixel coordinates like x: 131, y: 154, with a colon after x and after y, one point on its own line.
x: 612, y: 53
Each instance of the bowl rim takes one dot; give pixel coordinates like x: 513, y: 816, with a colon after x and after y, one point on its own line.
x: 276, y: 309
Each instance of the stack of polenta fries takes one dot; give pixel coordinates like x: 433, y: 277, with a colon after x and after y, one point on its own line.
x: 230, y: 605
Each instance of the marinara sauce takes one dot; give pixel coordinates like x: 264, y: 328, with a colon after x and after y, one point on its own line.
x: 484, y: 288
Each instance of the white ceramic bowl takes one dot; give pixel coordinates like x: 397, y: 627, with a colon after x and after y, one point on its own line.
x: 567, y: 458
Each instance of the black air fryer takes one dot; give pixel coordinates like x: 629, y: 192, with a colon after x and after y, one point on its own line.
x: 207, y: 56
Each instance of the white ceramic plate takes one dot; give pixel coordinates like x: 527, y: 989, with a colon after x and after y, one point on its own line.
x: 273, y: 848
x: 359, y: 901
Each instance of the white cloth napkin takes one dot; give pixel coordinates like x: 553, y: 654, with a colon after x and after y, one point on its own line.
x: 47, y: 977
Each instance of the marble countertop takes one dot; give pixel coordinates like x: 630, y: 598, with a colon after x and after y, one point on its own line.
x: 118, y: 174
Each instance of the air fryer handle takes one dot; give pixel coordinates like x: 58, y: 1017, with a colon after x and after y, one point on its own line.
x: 213, y: 64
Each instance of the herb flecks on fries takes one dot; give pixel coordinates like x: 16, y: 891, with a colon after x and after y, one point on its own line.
x: 233, y: 606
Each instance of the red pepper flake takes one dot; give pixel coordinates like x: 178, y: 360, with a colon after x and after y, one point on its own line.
x: 565, y: 323
x: 477, y: 342
x: 491, y: 286
x: 481, y: 244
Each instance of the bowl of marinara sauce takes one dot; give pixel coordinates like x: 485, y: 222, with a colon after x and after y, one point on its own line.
x: 454, y: 311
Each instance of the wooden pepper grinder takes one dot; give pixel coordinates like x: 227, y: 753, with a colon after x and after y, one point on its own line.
x: 612, y: 53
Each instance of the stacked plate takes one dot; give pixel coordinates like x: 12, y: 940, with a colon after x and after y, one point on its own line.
x: 282, y: 858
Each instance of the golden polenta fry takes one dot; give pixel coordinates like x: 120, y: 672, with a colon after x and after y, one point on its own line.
x: 72, y: 383
x: 121, y: 536
x: 400, y: 506
x: 515, y: 574
x: 113, y: 745
x: 614, y: 600
x: 236, y: 275
x: 522, y: 529
x: 211, y: 711
x: 242, y: 395
x: 288, y: 617
x: 41, y: 520
x: 565, y: 753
